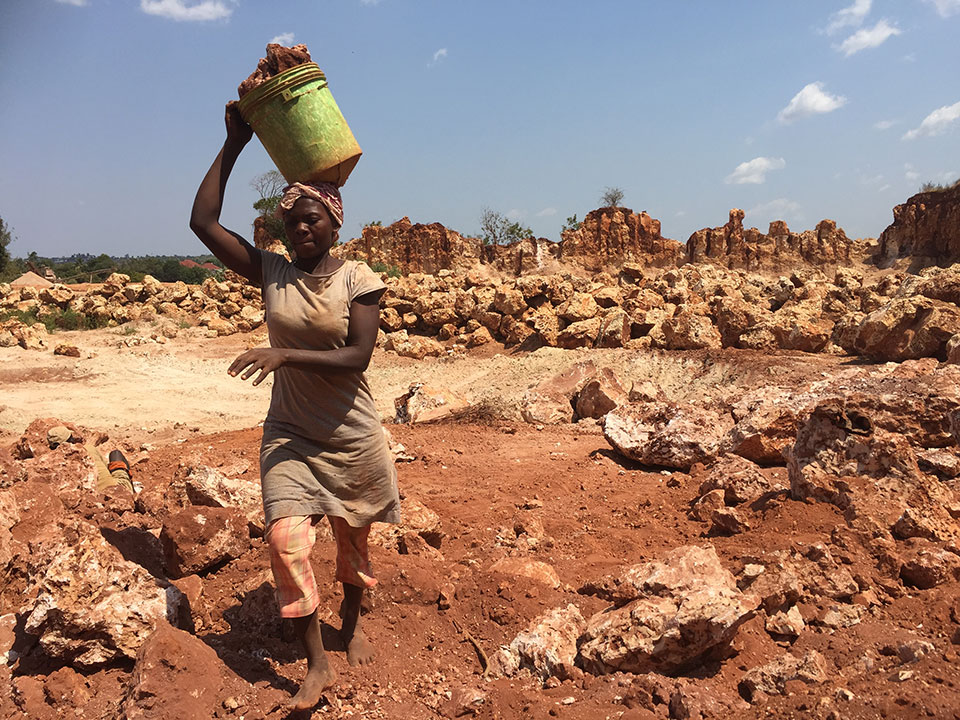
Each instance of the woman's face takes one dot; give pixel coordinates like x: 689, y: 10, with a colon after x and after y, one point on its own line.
x: 309, y: 229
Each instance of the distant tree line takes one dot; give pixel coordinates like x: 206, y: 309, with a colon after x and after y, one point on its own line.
x: 86, y: 267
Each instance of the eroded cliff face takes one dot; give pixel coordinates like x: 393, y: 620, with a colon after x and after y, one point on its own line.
x: 736, y: 247
x: 925, y: 228
x: 414, y: 247
x: 609, y: 237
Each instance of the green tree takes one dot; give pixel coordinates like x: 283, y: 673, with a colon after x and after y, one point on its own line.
x: 496, y: 228
x: 6, y: 236
x: 612, y: 197
x: 571, y: 223
x: 269, y: 186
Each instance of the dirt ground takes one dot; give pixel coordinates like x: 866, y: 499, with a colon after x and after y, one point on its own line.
x: 173, y: 403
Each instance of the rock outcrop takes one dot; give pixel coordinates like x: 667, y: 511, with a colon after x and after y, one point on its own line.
x: 609, y: 237
x: 735, y: 247
x: 926, y: 228
x: 414, y: 248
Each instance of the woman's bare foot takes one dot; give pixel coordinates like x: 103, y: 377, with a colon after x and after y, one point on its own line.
x: 360, y: 651
x: 310, y: 692
x: 320, y: 675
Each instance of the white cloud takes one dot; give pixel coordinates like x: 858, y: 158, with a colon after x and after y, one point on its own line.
x: 547, y: 212
x: 439, y: 55
x: 850, y: 16
x: 883, y: 188
x: 871, y: 179
x: 681, y: 213
x: 754, y: 172
x: 868, y: 38
x: 910, y: 173
x: 811, y: 100
x: 516, y: 214
x: 283, y: 39
x: 946, y: 8
x: 937, y: 122
x: 369, y: 2
x: 779, y: 209
x: 884, y: 124
x: 179, y: 10
x: 75, y: 3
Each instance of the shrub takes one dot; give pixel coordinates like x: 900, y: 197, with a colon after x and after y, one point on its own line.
x: 612, y: 197
x: 391, y: 270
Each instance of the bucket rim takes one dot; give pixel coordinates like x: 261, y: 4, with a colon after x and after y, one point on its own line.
x: 298, y: 74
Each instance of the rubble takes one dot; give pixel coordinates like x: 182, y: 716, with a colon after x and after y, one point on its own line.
x: 668, y: 614
x: 86, y: 604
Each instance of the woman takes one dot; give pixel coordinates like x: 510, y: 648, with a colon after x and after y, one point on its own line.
x: 323, y: 451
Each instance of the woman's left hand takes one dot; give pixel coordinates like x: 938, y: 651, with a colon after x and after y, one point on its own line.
x: 264, y: 360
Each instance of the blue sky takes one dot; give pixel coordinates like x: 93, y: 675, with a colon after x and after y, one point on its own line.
x: 112, y: 111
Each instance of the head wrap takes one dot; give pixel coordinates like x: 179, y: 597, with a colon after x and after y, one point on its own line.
x: 326, y: 193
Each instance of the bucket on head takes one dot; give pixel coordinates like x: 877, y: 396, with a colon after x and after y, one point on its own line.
x: 302, y: 129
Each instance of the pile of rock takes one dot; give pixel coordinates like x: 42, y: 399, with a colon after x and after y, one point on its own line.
x: 223, y: 307
x: 895, y: 317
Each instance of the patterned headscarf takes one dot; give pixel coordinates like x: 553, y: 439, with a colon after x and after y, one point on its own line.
x: 326, y: 193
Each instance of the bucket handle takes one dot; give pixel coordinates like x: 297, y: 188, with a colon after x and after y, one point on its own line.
x: 287, y: 94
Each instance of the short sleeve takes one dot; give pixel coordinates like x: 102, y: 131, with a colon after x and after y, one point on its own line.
x: 270, y: 267
x: 363, y: 280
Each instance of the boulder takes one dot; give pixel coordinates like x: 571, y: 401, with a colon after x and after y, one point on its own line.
x: 677, y: 611
x: 871, y: 474
x: 690, y: 331
x: 525, y: 567
x: 766, y: 424
x: 88, y: 605
x: 415, y: 517
x: 926, y: 566
x: 425, y: 403
x: 413, y: 346
x: 772, y: 678
x: 667, y: 434
x: 599, y: 395
x: 552, y: 400
x: 740, y: 480
x: 909, y: 327
x: 548, y: 646
x: 804, y: 573
x: 614, y: 329
x: 200, y: 539
x: 179, y: 677
x: 208, y: 486
x: 580, y: 334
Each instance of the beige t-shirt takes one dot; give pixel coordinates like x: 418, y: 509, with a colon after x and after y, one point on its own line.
x: 323, y: 450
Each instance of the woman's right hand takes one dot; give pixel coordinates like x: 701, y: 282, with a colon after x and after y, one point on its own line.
x: 237, y: 128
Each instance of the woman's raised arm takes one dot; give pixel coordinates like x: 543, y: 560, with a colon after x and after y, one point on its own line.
x: 229, y: 247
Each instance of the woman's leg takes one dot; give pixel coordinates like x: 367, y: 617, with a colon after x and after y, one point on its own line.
x: 354, y: 571
x: 290, y: 540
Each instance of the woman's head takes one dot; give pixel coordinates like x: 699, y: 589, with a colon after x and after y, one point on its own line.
x: 327, y: 194
x: 312, y: 216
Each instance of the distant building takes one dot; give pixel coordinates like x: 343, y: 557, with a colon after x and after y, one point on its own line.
x: 189, y: 263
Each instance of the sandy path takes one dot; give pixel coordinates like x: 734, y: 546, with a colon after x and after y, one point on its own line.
x: 154, y: 391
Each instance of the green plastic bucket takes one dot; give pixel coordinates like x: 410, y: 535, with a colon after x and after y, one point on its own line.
x: 301, y: 127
